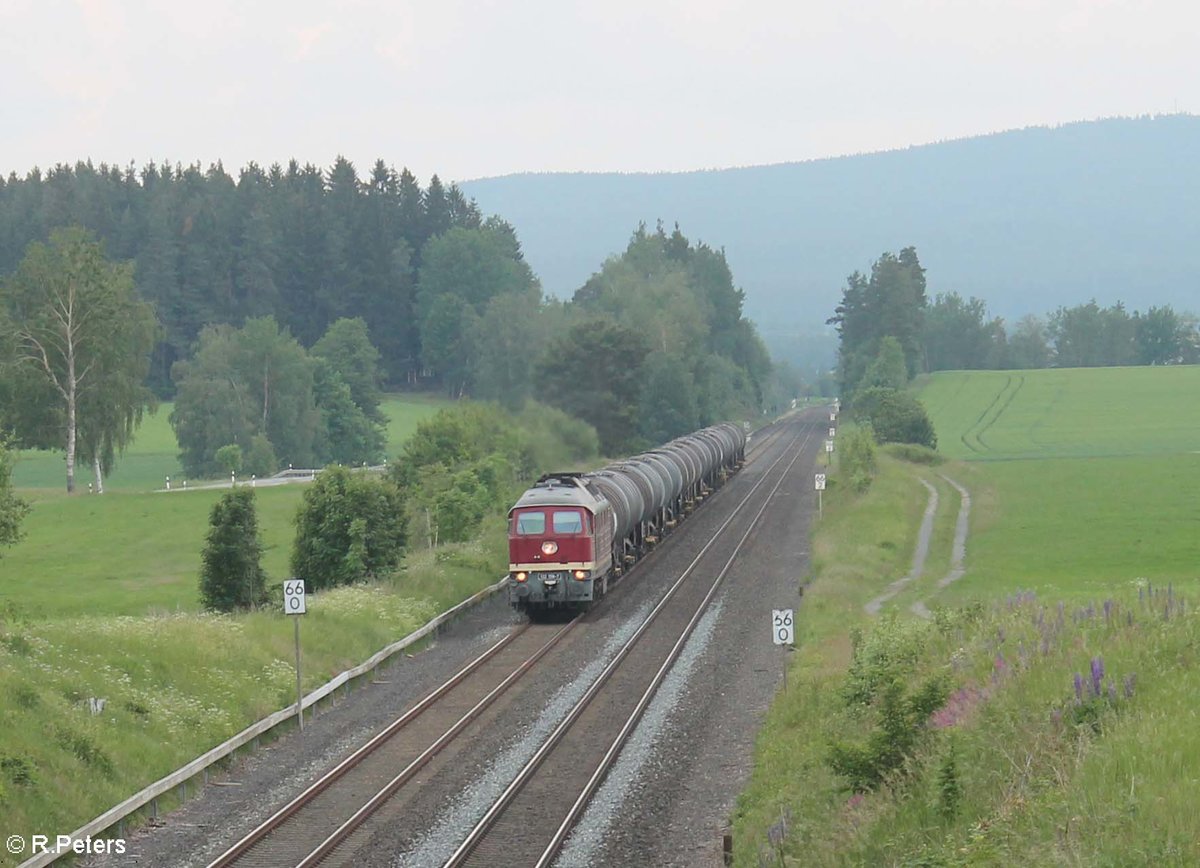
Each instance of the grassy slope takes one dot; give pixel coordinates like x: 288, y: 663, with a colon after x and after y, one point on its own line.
x: 1083, y: 488
x: 1036, y: 787
x: 100, y: 601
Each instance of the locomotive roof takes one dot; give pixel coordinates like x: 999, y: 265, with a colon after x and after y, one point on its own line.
x: 559, y: 490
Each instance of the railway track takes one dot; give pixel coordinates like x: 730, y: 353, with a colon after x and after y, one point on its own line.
x: 318, y: 820
x: 319, y: 826
x: 530, y: 821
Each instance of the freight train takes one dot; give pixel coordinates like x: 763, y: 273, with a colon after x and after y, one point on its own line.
x: 572, y: 534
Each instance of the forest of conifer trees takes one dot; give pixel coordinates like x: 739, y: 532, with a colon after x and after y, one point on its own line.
x: 304, y: 245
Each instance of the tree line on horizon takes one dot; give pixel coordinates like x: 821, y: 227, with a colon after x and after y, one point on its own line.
x: 950, y: 333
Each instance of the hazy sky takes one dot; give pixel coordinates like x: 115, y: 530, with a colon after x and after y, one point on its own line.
x: 469, y: 89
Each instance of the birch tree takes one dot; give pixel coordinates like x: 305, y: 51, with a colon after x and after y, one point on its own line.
x: 80, y: 333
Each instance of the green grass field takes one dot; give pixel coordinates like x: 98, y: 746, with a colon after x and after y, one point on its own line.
x: 1070, y: 413
x: 127, y: 554
x: 1085, y: 479
x: 153, y: 455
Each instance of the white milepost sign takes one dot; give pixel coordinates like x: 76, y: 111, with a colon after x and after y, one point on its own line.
x: 293, y: 604
x: 833, y: 417
x: 820, y: 482
x: 293, y: 597
x: 832, y: 431
x: 783, y: 628
x: 828, y: 445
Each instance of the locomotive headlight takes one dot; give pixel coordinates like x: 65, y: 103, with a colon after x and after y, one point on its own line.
x: 549, y: 547
x: 521, y: 577
x: 580, y: 574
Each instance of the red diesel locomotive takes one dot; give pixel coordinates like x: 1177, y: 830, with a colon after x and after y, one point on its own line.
x: 572, y: 533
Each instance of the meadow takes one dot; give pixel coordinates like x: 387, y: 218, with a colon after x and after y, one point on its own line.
x: 1085, y: 479
x: 135, y: 551
x: 154, y: 453
x: 1065, y: 413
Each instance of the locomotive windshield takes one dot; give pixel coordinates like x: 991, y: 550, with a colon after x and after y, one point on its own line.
x: 568, y: 521
x: 531, y: 522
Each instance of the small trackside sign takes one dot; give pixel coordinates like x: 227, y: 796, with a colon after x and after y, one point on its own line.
x: 783, y: 629
x: 820, y: 481
x: 293, y: 597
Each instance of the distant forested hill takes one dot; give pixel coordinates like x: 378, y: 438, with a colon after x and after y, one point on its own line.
x: 1027, y: 220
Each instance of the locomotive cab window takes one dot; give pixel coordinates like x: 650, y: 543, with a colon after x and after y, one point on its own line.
x: 531, y: 522
x: 568, y: 521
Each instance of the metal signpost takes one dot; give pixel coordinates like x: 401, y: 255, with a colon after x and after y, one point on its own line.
x: 820, y: 484
x: 294, y: 603
x: 783, y: 632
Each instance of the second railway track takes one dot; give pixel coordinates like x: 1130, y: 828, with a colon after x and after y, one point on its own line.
x: 330, y: 823
x: 530, y: 821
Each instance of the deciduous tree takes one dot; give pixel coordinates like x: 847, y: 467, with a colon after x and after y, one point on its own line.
x: 79, y: 330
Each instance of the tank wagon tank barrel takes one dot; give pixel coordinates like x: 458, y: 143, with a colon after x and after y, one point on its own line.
x: 572, y: 532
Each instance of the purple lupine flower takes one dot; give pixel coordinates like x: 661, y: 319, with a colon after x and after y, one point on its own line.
x: 1061, y: 610
x: 1130, y: 684
x: 1078, y: 687
x: 1045, y: 644
x: 1097, y: 675
x: 1108, y: 608
x: 1141, y: 594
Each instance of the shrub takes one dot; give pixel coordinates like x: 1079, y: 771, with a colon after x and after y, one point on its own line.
x: 901, y: 721
x: 12, y: 508
x: 231, y: 573
x: 350, y: 526
x: 858, y: 461
x: 914, y: 454
x: 229, y: 457
x: 896, y: 416
x: 260, y: 458
x: 949, y: 788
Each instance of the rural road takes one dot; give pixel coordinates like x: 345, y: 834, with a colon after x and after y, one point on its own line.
x: 957, y: 556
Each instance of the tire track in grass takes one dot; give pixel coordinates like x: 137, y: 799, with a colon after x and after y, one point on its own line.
x: 965, y: 434
x: 958, y: 554
x: 919, y: 554
x: 998, y: 414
